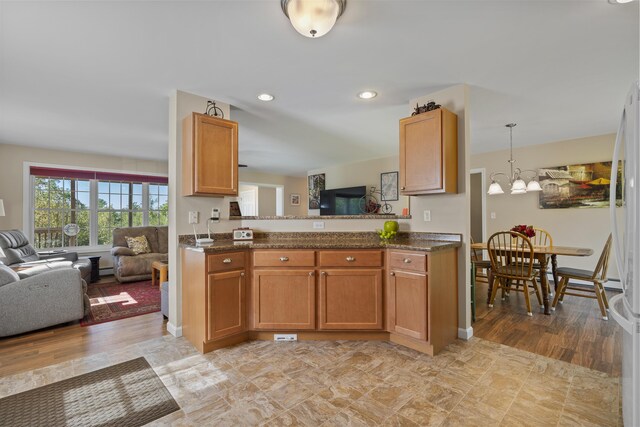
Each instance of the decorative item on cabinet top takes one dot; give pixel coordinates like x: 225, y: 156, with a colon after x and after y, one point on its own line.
x: 430, y: 106
x: 213, y: 110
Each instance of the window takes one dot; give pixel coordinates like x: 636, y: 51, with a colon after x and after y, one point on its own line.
x: 57, y: 202
x: 96, y: 202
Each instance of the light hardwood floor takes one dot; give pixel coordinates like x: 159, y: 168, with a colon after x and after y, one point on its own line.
x: 574, y: 332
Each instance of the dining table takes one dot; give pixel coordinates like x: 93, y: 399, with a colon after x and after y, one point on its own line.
x: 542, y: 254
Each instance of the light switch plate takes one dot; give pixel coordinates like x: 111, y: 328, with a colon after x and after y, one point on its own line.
x: 193, y: 217
x: 318, y: 225
x: 427, y: 216
x: 493, y: 215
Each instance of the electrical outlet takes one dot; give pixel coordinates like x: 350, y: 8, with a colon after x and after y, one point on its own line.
x: 427, y: 216
x: 193, y: 217
x: 318, y: 225
x: 493, y: 215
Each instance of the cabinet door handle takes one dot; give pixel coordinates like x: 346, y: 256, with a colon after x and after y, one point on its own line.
x: 392, y: 273
x: 241, y: 274
x: 407, y: 261
x: 402, y: 188
x: 350, y: 259
x: 226, y: 261
x: 284, y: 258
x: 323, y: 273
x: 311, y: 273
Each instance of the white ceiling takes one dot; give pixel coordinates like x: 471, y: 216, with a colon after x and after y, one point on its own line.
x: 95, y: 76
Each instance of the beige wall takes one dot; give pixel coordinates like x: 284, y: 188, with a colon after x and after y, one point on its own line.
x: 291, y: 184
x: 266, y: 201
x: 366, y: 172
x: 450, y: 212
x: 12, y: 164
x: 569, y: 227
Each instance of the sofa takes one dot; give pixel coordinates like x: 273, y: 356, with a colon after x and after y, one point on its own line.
x: 129, y: 266
x: 52, y: 296
x: 16, y: 250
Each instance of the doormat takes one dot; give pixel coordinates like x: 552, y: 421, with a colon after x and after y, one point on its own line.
x: 127, y: 394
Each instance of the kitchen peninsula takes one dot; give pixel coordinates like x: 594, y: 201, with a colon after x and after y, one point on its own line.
x: 323, y: 286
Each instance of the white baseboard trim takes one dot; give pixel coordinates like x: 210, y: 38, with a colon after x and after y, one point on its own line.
x: 173, y: 330
x: 465, y: 334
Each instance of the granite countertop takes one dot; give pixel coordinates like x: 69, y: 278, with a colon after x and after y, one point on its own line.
x: 333, y: 242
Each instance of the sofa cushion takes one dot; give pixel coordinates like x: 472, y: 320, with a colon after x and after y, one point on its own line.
x: 41, y: 268
x: 7, y: 275
x: 139, y: 264
x: 139, y: 245
x: 151, y: 234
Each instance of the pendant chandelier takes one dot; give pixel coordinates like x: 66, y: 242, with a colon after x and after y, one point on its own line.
x: 516, y: 180
x: 313, y: 18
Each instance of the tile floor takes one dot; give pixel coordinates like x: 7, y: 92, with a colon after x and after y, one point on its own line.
x: 359, y: 383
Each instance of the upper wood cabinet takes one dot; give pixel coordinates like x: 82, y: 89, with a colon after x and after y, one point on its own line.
x: 209, y: 156
x: 429, y: 153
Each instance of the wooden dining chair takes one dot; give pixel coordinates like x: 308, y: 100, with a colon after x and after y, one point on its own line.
x: 511, y: 254
x: 597, y: 277
x: 542, y: 238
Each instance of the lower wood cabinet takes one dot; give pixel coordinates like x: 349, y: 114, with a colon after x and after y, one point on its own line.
x: 350, y: 299
x: 408, y: 304
x: 225, y: 304
x: 284, y: 299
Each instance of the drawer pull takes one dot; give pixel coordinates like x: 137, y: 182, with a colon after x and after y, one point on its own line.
x: 311, y: 273
x: 350, y: 259
x: 407, y: 261
x: 392, y: 273
x: 226, y: 261
x: 323, y: 273
x: 284, y: 258
x: 241, y: 274
x: 402, y: 188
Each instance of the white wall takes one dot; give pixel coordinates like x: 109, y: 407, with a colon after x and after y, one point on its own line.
x: 12, y: 162
x: 366, y: 172
x: 588, y: 227
x: 266, y: 201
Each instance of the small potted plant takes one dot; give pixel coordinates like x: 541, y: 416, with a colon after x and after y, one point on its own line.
x: 527, y: 230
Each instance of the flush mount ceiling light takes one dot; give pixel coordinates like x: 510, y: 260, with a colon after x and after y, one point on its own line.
x: 620, y: 1
x: 313, y: 18
x: 266, y: 97
x: 367, y: 94
x: 516, y: 181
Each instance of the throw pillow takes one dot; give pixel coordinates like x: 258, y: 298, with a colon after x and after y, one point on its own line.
x: 7, y: 275
x: 139, y: 245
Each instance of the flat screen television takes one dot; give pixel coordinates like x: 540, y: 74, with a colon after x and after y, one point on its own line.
x: 342, y: 201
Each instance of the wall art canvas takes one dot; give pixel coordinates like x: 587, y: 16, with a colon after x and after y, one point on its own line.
x: 578, y: 186
x: 316, y: 185
x: 389, y: 186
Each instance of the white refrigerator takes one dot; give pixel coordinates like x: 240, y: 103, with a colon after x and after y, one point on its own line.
x: 625, y: 307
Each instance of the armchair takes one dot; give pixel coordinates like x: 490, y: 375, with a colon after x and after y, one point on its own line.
x: 15, y: 249
x: 42, y: 300
x: 129, y: 267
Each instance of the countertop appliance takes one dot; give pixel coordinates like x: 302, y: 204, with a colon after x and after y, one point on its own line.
x: 625, y: 307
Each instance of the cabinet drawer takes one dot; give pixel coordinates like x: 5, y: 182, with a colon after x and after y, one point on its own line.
x: 350, y: 258
x: 408, y: 261
x: 284, y: 258
x: 226, y: 261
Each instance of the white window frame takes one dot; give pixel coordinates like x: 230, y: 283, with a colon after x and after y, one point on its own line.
x: 28, y: 216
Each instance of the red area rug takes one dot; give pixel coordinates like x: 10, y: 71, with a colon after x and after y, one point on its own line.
x: 113, y: 301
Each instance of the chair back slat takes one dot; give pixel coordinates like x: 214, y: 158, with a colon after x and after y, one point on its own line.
x: 603, y: 262
x: 542, y: 238
x: 511, y: 255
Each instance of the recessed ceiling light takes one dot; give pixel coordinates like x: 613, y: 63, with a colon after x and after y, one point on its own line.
x: 367, y: 94
x: 265, y: 97
x: 620, y: 1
